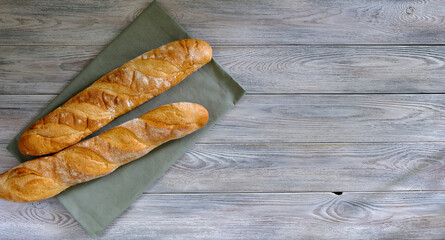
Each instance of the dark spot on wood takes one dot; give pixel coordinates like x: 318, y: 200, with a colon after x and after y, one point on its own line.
x: 40, y: 204
x: 410, y: 10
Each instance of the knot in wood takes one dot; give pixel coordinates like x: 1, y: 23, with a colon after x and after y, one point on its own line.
x: 410, y: 10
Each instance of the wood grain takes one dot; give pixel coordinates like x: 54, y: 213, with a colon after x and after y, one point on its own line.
x: 311, y: 22
x: 294, y: 118
x: 280, y: 69
x: 299, y: 167
x: 246, y: 216
x: 42, y: 69
x: 260, y: 22
x: 63, y: 22
x: 307, y: 167
x: 333, y: 118
x: 332, y: 106
x: 336, y: 69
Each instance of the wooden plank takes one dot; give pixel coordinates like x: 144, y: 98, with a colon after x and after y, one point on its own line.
x: 336, y: 69
x: 333, y: 118
x: 294, y: 118
x: 299, y: 167
x: 311, y: 22
x: 65, y: 22
x: 245, y: 216
x: 229, y: 22
x: 7, y: 159
x: 41, y: 69
x: 306, y: 167
x: 283, y: 69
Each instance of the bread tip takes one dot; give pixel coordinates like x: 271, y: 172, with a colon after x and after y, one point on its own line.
x: 196, y: 112
x: 32, y: 145
x: 24, y: 147
x: 202, y: 115
x: 207, y: 50
x: 203, y: 47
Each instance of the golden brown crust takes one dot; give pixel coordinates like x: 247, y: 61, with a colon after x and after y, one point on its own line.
x: 47, y: 176
x: 114, y: 94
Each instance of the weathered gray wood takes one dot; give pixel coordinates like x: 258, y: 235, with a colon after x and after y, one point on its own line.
x: 333, y: 118
x: 336, y: 69
x: 41, y: 69
x: 299, y: 167
x: 294, y: 118
x: 245, y: 216
x: 7, y: 160
x: 229, y: 22
x: 285, y: 69
x: 65, y: 22
x: 307, y: 167
x: 268, y: 143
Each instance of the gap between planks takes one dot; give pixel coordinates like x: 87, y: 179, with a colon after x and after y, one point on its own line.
x: 294, y: 192
x: 407, y: 44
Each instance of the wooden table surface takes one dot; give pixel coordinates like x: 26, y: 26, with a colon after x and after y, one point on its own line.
x: 340, y: 135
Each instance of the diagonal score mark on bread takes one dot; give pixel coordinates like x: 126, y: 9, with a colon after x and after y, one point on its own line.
x: 114, y: 94
x: 47, y: 176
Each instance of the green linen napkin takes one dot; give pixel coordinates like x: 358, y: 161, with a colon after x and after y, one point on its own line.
x: 97, y: 203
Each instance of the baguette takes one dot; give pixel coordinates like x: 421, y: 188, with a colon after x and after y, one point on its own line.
x: 47, y: 176
x: 114, y: 94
